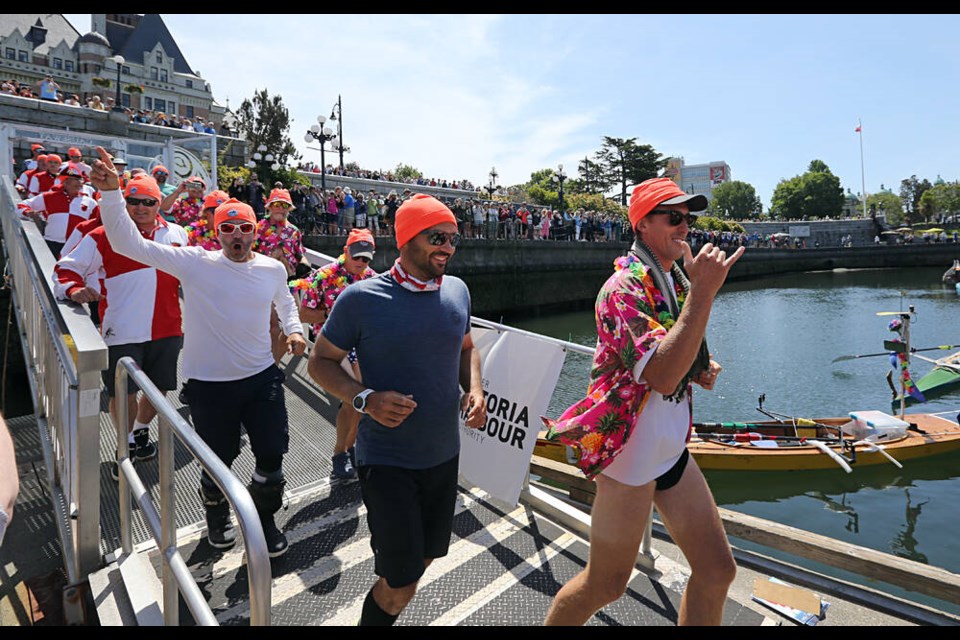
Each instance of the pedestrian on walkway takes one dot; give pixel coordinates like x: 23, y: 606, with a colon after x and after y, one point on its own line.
x: 319, y: 290
x: 411, y: 330
x: 232, y: 380
x: 632, y: 428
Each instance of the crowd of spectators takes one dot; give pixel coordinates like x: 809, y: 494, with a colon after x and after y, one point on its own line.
x: 48, y: 89
x: 389, y: 176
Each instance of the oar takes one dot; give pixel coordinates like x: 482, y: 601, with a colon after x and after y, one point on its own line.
x: 942, y: 347
x: 751, y: 437
x: 800, y: 422
x: 879, y: 449
x: 833, y: 454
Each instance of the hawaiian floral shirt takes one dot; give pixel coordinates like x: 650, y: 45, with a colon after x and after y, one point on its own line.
x: 323, y: 285
x: 186, y: 210
x: 632, y: 317
x: 198, y: 235
x: 281, y: 241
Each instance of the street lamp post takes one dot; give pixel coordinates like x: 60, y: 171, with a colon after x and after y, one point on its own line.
x: 322, y: 135
x: 559, y: 176
x: 261, y: 158
x: 336, y: 114
x: 492, y: 186
x: 119, y: 60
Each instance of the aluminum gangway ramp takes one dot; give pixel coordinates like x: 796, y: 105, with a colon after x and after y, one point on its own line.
x: 504, y: 565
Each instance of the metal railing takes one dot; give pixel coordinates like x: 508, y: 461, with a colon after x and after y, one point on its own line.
x: 175, y: 575
x: 64, y: 355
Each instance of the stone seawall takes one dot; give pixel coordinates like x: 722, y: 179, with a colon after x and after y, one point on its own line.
x: 533, y: 277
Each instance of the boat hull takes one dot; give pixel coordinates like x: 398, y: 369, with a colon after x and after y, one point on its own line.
x: 936, y: 435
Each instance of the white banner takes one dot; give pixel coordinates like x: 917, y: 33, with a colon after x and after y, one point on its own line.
x: 519, y: 375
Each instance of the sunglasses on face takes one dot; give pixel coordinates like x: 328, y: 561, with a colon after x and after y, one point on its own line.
x: 282, y: 205
x: 363, y: 259
x: 230, y: 227
x: 76, y: 157
x: 676, y: 217
x: 161, y: 174
x: 147, y: 202
x: 439, y: 238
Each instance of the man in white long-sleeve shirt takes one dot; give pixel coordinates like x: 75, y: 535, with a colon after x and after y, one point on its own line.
x: 231, y: 375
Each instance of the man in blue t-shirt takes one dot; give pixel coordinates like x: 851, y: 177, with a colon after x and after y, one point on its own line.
x: 413, y: 343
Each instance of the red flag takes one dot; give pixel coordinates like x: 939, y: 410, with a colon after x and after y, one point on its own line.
x: 857, y: 130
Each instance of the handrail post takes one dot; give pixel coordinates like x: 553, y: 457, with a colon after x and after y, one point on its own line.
x: 168, y: 525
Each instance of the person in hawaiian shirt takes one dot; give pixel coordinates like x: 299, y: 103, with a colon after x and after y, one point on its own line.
x: 201, y: 233
x: 632, y: 428
x: 280, y: 239
x: 318, y: 292
x: 185, y: 210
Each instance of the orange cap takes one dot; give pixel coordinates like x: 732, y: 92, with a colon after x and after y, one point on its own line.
x: 41, y: 158
x: 418, y: 213
x: 159, y: 168
x: 360, y: 235
x: 36, y: 146
x: 214, y: 199
x: 143, y: 185
x: 233, y: 211
x: 53, y: 156
x: 649, y: 193
x: 73, y: 151
x: 279, y: 195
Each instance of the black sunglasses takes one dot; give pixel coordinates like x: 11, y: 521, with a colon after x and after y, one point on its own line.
x: 147, y: 202
x: 439, y: 238
x: 677, y: 217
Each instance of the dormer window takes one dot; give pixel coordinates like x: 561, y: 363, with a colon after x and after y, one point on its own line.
x: 159, y: 57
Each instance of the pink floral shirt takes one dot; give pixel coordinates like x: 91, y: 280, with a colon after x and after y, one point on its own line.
x: 323, y: 285
x: 186, y: 210
x: 281, y: 241
x: 632, y: 317
x: 199, y: 236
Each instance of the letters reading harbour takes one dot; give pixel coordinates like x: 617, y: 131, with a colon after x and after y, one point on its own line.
x: 507, y: 421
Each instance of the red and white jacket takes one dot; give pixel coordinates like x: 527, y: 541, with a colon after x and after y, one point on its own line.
x: 139, y: 303
x: 41, y: 181
x: 63, y: 212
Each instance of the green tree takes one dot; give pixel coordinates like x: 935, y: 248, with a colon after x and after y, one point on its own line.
x: 815, y: 194
x: 592, y: 178
x: 406, y: 172
x: 735, y: 200
x: 911, y: 190
x: 263, y: 120
x: 625, y: 162
x: 889, y: 204
x: 941, y: 199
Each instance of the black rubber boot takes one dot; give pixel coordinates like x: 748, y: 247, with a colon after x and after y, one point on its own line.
x: 220, y: 531
x: 268, y: 498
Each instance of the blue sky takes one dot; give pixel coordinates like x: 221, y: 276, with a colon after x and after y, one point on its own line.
x: 454, y: 95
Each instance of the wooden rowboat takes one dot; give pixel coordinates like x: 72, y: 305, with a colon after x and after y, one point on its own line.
x: 799, y: 445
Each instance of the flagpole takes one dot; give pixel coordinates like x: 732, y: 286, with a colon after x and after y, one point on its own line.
x: 863, y: 181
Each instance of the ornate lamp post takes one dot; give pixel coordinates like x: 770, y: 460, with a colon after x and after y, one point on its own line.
x: 260, y: 159
x: 322, y: 136
x: 492, y: 186
x: 559, y: 176
x: 119, y: 60
x: 336, y: 115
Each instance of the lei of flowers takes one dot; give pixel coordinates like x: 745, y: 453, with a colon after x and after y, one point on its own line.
x: 899, y: 360
x: 325, y: 284
x: 198, y: 235
x: 186, y: 210
x: 662, y: 312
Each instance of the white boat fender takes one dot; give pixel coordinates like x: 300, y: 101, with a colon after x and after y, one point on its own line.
x: 833, y: 454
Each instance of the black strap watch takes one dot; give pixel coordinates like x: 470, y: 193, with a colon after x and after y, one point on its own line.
x: 360, y: 400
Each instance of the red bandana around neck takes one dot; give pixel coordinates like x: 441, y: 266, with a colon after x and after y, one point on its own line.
x: 407, y: 281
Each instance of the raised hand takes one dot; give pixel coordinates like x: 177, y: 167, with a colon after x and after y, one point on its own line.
x: 709, y: 269
x: 103, y: 175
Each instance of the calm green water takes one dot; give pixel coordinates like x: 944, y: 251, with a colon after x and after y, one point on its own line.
x: 778, y: 337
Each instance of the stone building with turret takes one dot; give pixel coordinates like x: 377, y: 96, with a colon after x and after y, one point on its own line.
x: 154, y: 73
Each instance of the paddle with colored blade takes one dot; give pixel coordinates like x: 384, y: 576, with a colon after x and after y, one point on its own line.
x: 942, y: 347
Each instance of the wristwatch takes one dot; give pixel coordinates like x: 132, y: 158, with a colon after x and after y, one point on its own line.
x: 360, y: 400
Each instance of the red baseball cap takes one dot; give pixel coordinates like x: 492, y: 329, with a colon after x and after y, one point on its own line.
x: 655, y: 191
x: 35, y: 147
x: 360, y: 244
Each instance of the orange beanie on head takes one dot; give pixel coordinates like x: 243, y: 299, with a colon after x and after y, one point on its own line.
x: 418, y: 213
x: 233, y: 211
x: 143, y: 186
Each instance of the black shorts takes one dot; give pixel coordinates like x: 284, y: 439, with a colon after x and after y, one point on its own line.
x: 673, y: 474
x: 410, y: 517
x: 218, y: 409
x: 157, y: 358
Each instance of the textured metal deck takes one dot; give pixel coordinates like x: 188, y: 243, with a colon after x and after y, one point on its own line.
x: 503, y: 568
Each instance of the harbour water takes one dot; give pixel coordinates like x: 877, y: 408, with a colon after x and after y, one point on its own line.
x: 778, y: 337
